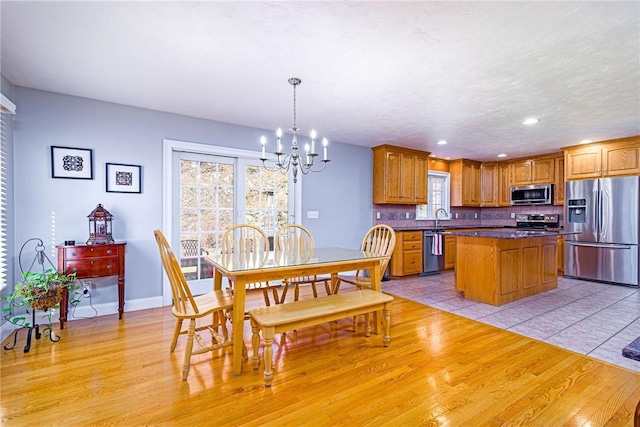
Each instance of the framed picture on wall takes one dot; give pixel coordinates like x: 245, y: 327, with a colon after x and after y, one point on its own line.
x: 124, y: 178
x: 73, y: 163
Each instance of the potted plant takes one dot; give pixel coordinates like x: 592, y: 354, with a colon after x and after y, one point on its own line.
x: 37, y: 291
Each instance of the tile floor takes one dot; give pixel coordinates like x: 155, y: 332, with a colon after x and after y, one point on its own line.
x: 586, y: 317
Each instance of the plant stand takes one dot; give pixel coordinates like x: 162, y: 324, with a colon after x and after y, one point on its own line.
x: 30, y: 329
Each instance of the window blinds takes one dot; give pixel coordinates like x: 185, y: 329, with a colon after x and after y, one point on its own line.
x: 6, y: 108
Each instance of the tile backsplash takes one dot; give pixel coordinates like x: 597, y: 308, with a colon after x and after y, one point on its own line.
x: 396, y: 215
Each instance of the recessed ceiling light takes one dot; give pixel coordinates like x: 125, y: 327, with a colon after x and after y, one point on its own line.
x: 585, y: 141
x: 447, y: 158
x: 432, y: 155
x: 502, y: 155
x: 442, y: 142
x: 530, y: 121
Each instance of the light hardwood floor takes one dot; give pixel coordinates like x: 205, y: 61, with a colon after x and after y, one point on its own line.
x: 440, y: 369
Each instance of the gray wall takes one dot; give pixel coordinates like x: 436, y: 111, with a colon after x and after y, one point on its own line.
x: 56, y: 209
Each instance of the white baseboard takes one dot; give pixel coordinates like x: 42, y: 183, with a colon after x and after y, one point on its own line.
x: 85, y: 311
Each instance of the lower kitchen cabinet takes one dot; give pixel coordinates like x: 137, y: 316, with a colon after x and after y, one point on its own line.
x: 561, y: 253
x: 498, y: 271
x: 407, y: 255
x: 449, y: 252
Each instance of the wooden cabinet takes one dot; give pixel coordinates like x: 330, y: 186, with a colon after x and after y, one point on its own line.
x: 489, y: 184
x: 504, y: 184
x: 399, y: 175
x: 533, y: 171
x: 610, y: 158
x: 407, y: 255
x: 465, y: 182
x: 561, y: 253
x: 558, y: 185
x: 449, y: 252
x: 499, y: 271
x: 89, y: 261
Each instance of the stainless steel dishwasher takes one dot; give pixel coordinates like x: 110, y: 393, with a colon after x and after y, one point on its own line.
x: 431, y: 264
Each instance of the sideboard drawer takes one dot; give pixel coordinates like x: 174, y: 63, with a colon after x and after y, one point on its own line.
x: 93, y: 268
x: 90, y: 251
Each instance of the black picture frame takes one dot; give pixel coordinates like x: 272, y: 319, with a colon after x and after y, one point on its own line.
x: 71, y: 163
x: 123, y: 178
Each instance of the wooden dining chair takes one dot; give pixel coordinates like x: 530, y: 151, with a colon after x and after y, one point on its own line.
x: 379, y: 240
x: 213, y: 306
x: 297, y: 241
x: 251, y: 243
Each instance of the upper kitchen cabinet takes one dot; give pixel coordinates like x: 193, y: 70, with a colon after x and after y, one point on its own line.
x: 489, y: 187
x: 533, y: 171
x: 465, y: 182
x: 609, y: 158
x: 558, y: 185
x: 399, y: 175
x: 504, y: 184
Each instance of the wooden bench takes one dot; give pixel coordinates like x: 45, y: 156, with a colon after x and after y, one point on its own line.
x: 299, y: 314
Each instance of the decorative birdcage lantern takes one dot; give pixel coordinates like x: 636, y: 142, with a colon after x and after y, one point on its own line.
x: 100, y: 226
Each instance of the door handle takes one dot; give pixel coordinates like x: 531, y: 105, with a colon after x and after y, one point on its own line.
x: 597, y: 245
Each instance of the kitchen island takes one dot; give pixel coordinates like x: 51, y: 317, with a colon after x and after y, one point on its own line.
x: 504, y: 265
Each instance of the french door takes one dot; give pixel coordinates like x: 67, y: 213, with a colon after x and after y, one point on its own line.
x: 210, y: 193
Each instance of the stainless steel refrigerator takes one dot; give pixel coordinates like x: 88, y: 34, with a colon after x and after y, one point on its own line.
x: 605, y: 212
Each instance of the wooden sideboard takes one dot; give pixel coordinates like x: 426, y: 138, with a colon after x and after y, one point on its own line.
x: 89, y: 261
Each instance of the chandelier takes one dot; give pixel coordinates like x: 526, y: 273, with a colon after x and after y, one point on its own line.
x: 295, y: 160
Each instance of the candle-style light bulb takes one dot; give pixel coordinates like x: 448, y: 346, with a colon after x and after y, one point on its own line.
x: 263, y: 141
x: 278, y: 143
x: 325, y: 149
x: 313, y: 141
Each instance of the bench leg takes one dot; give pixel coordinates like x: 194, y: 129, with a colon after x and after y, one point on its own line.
x: 268, y: 355
x: 255, y: 344
x: 386, y: 323
x: 367, y: 324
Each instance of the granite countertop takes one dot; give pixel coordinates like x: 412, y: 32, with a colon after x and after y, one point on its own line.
x: 510, y: 233
x: 444, y: 227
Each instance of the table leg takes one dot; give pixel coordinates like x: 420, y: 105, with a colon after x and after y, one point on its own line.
x: 376, y: 285
x: 64, y: 307
x: 217, y: 279
x: 120, y: 296
x: 239, y: 294
x: 334, y: 282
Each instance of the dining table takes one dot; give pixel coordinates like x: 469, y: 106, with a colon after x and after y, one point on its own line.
x: 241, y: 270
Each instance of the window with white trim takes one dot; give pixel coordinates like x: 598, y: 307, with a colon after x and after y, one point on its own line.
x: 439, y: 196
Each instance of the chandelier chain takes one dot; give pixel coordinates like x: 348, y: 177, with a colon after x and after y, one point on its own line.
x: 294, y: 107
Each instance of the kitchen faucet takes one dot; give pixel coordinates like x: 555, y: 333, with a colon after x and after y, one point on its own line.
x: 437, y: 212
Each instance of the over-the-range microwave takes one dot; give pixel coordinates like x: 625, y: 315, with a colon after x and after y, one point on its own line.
x: 537, y: 194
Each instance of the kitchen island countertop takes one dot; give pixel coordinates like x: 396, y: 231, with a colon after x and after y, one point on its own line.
x: 509, y: 233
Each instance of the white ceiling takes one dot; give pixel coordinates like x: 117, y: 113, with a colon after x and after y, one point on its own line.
x: 403, y: 73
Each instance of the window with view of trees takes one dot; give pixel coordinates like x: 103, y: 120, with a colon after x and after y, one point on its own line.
x: 439, y: 193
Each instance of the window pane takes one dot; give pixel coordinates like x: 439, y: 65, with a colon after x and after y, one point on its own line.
x: 438, y: 187
x: 202, y: 217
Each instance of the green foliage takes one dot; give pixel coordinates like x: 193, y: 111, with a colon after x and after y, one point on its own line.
x: 32, y: 288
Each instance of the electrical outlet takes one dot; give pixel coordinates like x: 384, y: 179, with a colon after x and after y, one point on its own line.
x: 377, y: 215
x: 475, y: 215
x: 408, y: 216
x: 513, y: 215
x: 456, y: 215
x: 313, y: 214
